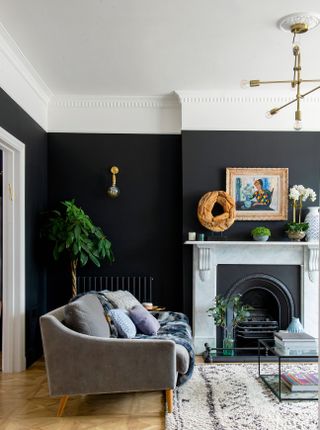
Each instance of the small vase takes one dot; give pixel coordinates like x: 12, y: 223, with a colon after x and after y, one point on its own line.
x: 296, y: 235
x: 228, y: 344
x: 295, y: 326
x: 312, y: 218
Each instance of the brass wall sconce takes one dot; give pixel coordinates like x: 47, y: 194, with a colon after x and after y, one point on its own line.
x: 113, y: 191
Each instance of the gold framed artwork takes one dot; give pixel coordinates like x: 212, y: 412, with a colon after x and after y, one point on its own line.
x: 259, y: 193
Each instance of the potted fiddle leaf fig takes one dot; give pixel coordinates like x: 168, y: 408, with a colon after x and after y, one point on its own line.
x: 73, y: 233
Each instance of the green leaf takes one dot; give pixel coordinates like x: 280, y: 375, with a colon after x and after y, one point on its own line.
x: 70, y: 239
x: 94, y: 260
x: 83, y: 258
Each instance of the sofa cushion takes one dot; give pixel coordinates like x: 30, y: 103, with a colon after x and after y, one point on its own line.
x: 85, y: 315
x: 121, y: 299
x: 143, y: 320
x: 123, y: 323
x: 183, y: 359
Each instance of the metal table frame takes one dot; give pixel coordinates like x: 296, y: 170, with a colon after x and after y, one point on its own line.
x: 265, y: 345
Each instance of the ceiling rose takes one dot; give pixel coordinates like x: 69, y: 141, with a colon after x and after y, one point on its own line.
x: 310, y: 19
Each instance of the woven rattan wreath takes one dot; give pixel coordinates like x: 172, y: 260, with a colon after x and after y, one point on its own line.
x: 220, y: 222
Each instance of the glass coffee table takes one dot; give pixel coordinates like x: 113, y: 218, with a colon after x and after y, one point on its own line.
x: 273, y: 381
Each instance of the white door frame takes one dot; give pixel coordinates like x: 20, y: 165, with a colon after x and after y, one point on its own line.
x: 13, y: 297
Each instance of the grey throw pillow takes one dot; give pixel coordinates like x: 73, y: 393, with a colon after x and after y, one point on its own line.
x: 144, y: 321
x: 86, y: 316
x: 121, y: 299
x: 123, y: 323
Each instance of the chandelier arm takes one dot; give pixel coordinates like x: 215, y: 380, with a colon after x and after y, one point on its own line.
x: 311, y: 91
x: 310, y: 80
x: 276, y: 82
x: 295, y: 99
x: 285, y: 105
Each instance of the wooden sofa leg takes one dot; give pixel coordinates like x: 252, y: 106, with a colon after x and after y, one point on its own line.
x: 62, y: 405
x: 169, y: 399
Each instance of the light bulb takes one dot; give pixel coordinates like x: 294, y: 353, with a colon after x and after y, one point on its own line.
x: 244, y: 84
x: 271, y: 112
x: 297, y: 124
x: 113, y: 191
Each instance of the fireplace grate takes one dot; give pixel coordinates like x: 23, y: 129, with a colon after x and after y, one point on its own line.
x: 251, y: 330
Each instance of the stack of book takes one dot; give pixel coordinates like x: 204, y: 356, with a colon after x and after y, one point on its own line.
x: 295, y: 343
x: 301, y: 381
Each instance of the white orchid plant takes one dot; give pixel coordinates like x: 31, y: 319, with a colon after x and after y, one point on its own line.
x: 299, y: 194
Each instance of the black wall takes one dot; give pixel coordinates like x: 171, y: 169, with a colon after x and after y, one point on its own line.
x: 143, y: 224
x: 161, y: 180
x: 24, y: 128
x: 205, y: 156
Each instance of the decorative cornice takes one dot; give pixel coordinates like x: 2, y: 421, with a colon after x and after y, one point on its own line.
x: 112, y: 114
x: 243, y: 110
x: 115, y: 102
x: 197, y: 99
x: 20, y: 80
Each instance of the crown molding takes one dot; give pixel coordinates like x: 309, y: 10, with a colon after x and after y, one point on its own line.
x: 115, y: 114
x: 20, y: 80
x: 181, y: 110
x: 169, y: 101
x: 233, y: 97
x: 239, y: 110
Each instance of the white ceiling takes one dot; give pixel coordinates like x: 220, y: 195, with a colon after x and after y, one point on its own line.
x: 149, y: 47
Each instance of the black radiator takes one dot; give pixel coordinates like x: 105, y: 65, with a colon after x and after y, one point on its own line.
x: 139, y: 286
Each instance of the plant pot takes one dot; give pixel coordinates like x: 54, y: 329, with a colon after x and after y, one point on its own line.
x: 261, y: 238
x: 296, y: 235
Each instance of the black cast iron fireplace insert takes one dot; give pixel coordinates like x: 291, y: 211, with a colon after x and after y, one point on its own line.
x: 273, y: 292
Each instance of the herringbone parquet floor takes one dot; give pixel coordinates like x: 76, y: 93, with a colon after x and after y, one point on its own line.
x: 26, y: 405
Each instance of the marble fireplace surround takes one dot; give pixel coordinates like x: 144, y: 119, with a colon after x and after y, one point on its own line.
x: 208, y: 255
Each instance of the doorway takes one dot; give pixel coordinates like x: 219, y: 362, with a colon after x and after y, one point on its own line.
x: 13, y: 257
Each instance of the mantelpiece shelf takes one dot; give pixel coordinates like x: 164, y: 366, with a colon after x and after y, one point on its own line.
x: 207, y: 249
x: 210, y: 243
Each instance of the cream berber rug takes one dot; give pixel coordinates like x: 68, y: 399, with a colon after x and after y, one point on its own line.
x: 231, y: 397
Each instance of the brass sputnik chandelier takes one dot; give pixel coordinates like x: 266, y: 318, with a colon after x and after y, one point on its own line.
x: 297, y: 24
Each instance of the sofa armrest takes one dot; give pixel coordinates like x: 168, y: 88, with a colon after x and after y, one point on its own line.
x: 82, y: 364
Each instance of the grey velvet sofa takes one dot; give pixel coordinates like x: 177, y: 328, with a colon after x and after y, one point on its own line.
x: 81, y: 364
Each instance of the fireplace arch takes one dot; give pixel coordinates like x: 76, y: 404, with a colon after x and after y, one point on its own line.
x: 265, y: 291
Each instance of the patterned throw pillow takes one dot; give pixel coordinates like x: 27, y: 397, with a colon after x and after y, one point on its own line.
x: 144, y: 321
x: 121, y: 299
x: 123, y: 323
